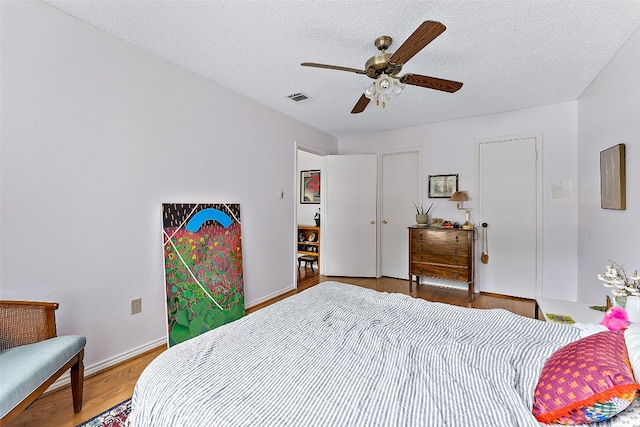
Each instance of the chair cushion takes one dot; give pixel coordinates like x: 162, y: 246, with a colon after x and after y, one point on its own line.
x: 27, y: 367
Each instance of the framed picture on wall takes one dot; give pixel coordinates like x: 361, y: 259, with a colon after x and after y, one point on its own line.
x: 310, y: 186
x: 612, y: 178
x: 442, y: 186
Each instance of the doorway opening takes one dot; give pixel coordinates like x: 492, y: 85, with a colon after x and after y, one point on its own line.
x: 308, y: 253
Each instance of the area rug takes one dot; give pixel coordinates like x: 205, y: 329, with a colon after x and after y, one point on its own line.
x: 112, y: 417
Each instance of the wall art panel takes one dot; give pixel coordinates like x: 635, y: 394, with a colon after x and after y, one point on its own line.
x: 203, y: 267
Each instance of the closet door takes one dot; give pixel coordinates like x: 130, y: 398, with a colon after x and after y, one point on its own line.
x: 350, y: 215
x: 509, y: 200
x: 400, y: 185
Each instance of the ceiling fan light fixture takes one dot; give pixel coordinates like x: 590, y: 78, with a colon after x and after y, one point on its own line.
x: 397, y: 88
x: 384, y: 86
x: 370, y: 91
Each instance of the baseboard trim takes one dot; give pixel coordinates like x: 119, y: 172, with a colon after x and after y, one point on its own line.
x: 270, y: 296
x: 65, y: 379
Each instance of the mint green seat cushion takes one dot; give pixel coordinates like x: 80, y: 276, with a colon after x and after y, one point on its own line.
x: 24, y: 368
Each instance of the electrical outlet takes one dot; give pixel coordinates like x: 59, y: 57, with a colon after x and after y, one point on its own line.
x: 136, y: 306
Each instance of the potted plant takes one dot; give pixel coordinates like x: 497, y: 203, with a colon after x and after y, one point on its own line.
x: 422, y: 217
x: 626, y: 289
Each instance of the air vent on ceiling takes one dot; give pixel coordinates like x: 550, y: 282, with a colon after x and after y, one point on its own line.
x: 300, y: 97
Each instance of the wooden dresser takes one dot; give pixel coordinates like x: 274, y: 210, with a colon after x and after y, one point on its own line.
x: 442, y: 253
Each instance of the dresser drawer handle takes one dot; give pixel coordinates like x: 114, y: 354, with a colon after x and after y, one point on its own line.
x: 455, y: 251
x: 457, y: 275
x: 457, y: 261
x: 421, y: 248
x: 420, y: 257
x: 456, y: 239
x: 421, y: 271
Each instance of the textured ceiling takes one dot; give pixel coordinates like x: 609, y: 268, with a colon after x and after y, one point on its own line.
x: 509, y: 54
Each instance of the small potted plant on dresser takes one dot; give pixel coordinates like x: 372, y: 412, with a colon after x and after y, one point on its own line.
x: 422, y: 216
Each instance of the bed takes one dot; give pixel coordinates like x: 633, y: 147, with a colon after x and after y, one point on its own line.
x: 343, y: 355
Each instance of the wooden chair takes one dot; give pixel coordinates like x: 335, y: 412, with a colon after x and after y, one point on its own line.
x: 28, y: 333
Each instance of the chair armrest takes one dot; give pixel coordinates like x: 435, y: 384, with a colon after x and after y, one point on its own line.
x: 26, y: 322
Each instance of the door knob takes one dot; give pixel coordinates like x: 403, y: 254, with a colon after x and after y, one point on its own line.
x: 373, y: 222
x: 384, y: 221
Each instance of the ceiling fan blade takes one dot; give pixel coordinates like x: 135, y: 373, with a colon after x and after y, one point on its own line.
x: 360, y: 105
x: 422, y: 36
x: 333, y: 67
x: 431, y: 82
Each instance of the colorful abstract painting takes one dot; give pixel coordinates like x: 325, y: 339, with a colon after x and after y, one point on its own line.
x: 310, y: 186
x: 203, y: 267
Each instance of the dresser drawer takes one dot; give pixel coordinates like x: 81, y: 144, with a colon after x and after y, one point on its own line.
x: 453, y: 260
x: 441, y: 271
x: 435, y: 237
x: 443, y: 249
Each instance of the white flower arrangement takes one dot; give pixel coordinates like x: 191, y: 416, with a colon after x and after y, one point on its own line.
x: 616, y: 279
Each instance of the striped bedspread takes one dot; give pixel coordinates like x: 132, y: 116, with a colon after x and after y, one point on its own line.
x: 342, y: 355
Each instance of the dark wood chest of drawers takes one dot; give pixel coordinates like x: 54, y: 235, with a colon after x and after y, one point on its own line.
x: 442, y: 253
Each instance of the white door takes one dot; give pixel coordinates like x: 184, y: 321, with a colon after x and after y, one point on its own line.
x: 508, y: 201
x: 350, y: 215
x: 400, y: 183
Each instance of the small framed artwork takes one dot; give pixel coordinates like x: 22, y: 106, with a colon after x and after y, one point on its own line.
x: 310, y: 186
x: 612, y: 178
x: 442, y: 186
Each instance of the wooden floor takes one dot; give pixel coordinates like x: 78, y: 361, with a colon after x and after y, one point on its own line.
x: 108, y: 388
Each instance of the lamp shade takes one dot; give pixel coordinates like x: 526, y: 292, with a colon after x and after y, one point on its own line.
x: 459, y: 196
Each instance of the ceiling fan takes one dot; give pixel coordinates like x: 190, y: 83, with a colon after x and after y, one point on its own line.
x: 384, y: 67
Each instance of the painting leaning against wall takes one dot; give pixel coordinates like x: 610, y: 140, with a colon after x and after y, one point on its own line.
x: 203, y: 267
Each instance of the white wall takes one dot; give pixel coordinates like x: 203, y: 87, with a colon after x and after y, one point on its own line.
x: 96, y: 135
x: 609, y: 114
x: 450, y: 148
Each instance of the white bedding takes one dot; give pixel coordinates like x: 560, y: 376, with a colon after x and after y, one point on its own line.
x: 342, y: 355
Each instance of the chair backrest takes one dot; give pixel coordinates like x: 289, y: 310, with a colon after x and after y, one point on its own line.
x: 26, y: 322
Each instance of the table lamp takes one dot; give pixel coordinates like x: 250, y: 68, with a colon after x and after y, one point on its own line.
x: 461, y: 196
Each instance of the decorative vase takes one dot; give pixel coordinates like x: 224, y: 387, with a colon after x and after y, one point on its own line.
x: 422, y: 219
x: 632, y: 305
